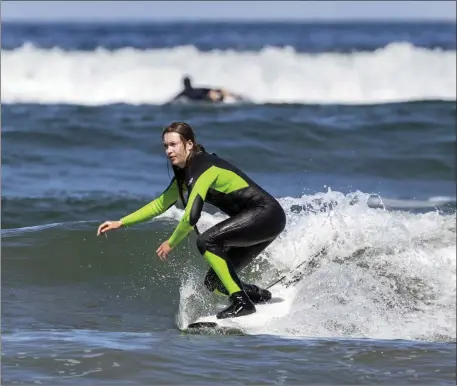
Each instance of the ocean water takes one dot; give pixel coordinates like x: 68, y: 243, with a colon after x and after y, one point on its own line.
x: 351, y: 127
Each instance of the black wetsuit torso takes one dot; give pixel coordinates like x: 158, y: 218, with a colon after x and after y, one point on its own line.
x: 229, y: 202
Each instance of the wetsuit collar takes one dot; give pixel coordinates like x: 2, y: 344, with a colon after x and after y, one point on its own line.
x: 191, y: 157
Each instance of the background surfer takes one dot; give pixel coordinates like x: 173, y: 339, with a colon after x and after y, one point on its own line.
x: 205, y: 94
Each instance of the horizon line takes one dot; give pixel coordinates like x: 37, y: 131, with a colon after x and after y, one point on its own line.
x: 231, y: 20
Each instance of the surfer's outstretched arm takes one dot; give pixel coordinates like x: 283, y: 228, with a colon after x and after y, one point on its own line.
x: 153, y: 209
x: 175, y: 98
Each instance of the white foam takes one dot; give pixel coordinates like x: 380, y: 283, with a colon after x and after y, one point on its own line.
x: 385, y: 275
x: 398, y: 72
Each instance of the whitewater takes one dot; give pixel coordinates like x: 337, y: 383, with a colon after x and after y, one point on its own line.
x: 395, y: 73
x: 383, y: 275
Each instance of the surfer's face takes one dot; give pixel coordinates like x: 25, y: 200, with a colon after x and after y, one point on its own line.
x: 176, y: 149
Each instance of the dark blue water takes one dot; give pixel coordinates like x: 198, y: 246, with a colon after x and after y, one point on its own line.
x: 351, y: 127
x: 304, y: 37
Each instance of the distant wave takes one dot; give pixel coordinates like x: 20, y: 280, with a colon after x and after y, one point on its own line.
x: 395, y: 73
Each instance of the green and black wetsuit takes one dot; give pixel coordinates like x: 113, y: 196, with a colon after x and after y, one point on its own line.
x: 255, y: 217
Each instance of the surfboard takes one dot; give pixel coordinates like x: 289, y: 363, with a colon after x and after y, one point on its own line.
x: 266, y: 313
x: 275, y: 308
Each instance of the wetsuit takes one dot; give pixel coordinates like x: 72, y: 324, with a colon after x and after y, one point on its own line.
x: 255, y: 217
x: 199, y: 94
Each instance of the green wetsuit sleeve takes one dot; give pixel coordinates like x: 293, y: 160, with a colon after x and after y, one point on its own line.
x: 194, y: 205
x: 155, y: 207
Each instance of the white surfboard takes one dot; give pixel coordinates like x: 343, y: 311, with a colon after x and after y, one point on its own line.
x: 265, y: 314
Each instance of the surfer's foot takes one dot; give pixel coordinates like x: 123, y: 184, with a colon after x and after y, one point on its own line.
x: 257, y: 294
x: 241, y: 306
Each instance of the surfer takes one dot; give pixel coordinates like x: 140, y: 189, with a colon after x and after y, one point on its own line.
x: 203, y: 94
x: 255, y: 217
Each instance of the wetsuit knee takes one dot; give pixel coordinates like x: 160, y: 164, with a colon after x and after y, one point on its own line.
x: 205, y: 243
x: 202, y: 243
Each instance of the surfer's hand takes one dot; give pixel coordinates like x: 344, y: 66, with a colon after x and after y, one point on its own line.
x: 164, y: 250
x: 107, y: 226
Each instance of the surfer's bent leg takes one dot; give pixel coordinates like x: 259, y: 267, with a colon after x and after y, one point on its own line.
x: 233, y: 243
x: 239, y: 258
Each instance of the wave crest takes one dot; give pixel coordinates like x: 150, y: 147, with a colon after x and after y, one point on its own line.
x: 397, y: 72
